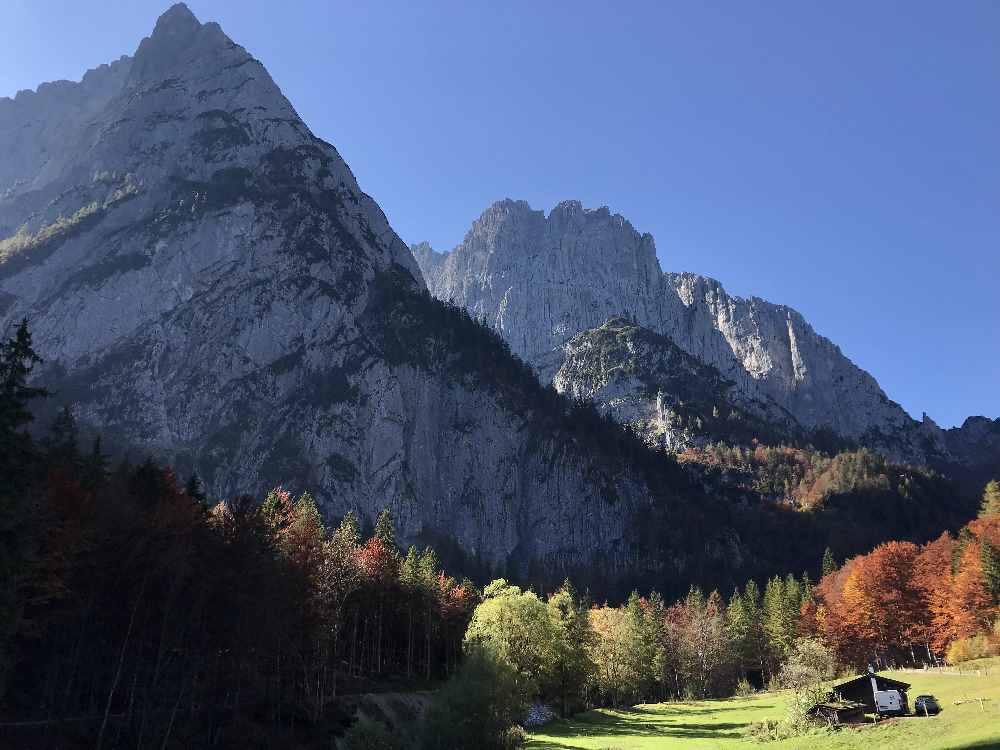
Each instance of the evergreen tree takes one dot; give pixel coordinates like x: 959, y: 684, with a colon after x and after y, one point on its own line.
x: 277, y: 510
x: 991, y: 499
x: 385, y: 529
x: 307, y: 517
x: 780, y: 624
x: 349, y: 529
x: 61, y: 445
x: 17, y: 360
x: 991, y: 568
x: 95, y: 467
x: 641, y: 647
x: 574, y: 638
x: 195, y: 491
x: 829, y: 564
x: 756, y: 643
x: 17, y: 460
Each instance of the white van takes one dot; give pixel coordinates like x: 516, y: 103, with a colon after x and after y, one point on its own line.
x: 889, y: 703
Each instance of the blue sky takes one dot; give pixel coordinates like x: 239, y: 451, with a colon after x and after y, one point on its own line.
x: 842, y: 158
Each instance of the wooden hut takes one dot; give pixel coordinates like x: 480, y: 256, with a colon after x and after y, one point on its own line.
x: 860, y: 690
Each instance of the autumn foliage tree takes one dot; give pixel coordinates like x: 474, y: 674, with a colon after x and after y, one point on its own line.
x: 901, y: 598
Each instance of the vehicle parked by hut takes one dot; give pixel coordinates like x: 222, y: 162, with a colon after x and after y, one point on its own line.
x: 880, y: 695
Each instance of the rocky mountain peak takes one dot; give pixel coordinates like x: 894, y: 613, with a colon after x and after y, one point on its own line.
x: 541, y: 280
x: 177, y: 19
x: 512, y: 269
x: 177, y: 39
x: 207, y: 282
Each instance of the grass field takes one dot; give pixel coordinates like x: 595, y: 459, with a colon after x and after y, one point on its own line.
x: 707, y: 725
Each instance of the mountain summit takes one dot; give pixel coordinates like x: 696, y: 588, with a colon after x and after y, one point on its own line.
x: 207, y: 282
x: 542, y: 280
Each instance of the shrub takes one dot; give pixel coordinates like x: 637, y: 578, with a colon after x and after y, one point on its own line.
x: 366, y: 734
x: 477, y: 708
x: 797, y: 723
x: 977, y: 647
x: 809, y: 663
x: 743, y: 688
x: 515, y: 738
x: 768, y: 730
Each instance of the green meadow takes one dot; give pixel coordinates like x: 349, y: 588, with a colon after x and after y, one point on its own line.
x: 707, y: 725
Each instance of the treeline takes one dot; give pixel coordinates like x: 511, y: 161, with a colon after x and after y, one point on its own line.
x: 144, y: 615
x: 900, y: 603
x: 574, y: 655
x: 907, y: 602
x: 807, y: 478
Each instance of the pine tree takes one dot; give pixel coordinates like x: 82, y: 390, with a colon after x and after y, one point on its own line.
x: 277, y: 510
x: 640, y: 655
x: 349, y: 529
x: 991, y: 568
x: 738, y: 627
x: 95, y: 467
x: 17, y: 459
x: 991, y: 499
x: 195, y: 491
x: 779, y: 627
x: 829, y: 564
x: 385, y: 530
x: 307, y: 516
x: 61, y: 445
x: 574, y: 637
x: 756, y: 647
x: 17, y: 360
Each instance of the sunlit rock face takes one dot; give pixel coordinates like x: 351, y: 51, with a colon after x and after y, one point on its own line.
x: 542, y: 280
x: 199, y: 271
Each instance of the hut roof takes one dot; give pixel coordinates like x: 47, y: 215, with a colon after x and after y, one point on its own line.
x: 884, y: 683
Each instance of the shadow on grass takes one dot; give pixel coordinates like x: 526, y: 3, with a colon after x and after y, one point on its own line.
x: 665, y: 720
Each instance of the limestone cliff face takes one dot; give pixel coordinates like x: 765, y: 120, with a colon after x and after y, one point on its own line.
x: 645, y: 380
x: 540, y: 281
x: 198, y: 270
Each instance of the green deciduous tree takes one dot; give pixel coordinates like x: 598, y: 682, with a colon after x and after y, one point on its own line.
x: 514, y: 627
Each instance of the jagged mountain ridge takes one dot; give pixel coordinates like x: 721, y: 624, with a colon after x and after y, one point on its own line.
x: 205, y: 281
x: 208, y: 283
x: 541, y: 280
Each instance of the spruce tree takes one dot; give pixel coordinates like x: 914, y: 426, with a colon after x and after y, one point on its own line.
x: 349, y: 530
x: 753, y: 610
x: 572, y: 665
x: 95, y: 467
x: 385, y: 530
x: 779, y: 629
x: 991, y: 499
x: 18, y: 458
x: 195, y: 491
x: 61, y: 445
x: 991, y: 568
x: 738, y: 627
x: 829, y: 564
